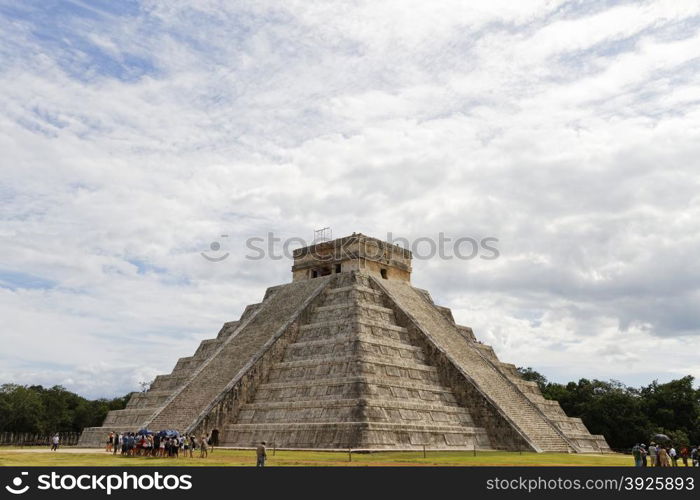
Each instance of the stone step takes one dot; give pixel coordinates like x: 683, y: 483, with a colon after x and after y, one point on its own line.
x: 148, y: 399
x: 341, y: 410
x: 376, y: 425
x: 354, y: 305
x: 359, y: 337
x: 349, y: 345
x: 251, y: 309
x: 354, y: 293
x: 226, y: 330
x: 330, y: 329
x: 363, y: 322
x: 349, y: 288
x: 352, y: 366
x: 349, y: 410
x: 353, y: 402
x: 169, y: 382
x: 406, y: 383
x: 344, y: 435
x: 374, y: 360
x: 344, y: 311
x: 354, y: 386
x: 127, y: 417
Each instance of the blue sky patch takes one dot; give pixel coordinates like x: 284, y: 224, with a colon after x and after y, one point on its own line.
x: 15, y: 280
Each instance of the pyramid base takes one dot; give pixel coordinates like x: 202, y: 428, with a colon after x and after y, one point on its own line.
x: 96, y: 437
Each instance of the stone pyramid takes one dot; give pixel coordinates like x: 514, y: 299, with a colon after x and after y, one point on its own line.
x: 350, y: 355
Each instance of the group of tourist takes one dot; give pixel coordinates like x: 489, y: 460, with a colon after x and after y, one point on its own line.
x: 658, y: 455
x: 148, y: 444
x: 164, y: 444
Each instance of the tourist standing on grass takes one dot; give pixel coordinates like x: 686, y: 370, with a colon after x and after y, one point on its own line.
x: 203, y: 447
x: 684, y: 455
x: 644, y: 452
x: 260, y: 452
x: 653, y: 452
x: 183, y: 446
x: 110, y: 438
x: 214, y: 439
x: 662, y: 457
x: 694, y: 456
x: 193, y: 445
x: 637, y: 455
x: 54, y: 443
x: 674, y: 456
x: 115, y: 443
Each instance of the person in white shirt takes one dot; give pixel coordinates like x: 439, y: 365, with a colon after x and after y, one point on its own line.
x: 674, y: 456
x: 54, y: 441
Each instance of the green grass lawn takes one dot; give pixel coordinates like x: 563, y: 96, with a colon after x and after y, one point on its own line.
x: 220, y: 457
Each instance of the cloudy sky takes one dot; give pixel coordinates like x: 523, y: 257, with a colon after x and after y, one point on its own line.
x: 135, y: 134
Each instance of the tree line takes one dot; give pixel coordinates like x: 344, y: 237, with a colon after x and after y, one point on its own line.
x: 36, y: 409
x: 628, y: 415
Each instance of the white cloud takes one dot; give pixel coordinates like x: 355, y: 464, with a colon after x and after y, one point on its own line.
x: 133, y: 139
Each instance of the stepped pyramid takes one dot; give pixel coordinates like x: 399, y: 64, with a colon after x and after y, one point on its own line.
x: 350, y: 355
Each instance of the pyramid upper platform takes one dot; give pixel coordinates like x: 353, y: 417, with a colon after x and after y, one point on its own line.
x: 356, y: 252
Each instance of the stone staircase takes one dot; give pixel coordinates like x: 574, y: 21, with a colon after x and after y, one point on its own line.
x: 143, y: 407
x: 235, y: 355
x: 572, y: 427
x: 353, y: 379
x: 504, y: 395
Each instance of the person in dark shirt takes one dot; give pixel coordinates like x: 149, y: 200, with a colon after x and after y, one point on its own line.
x: 261, y: 454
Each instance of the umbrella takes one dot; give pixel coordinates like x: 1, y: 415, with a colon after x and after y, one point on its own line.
x: 661, y: 437
x: 169, y: 433
x: 145, y: 432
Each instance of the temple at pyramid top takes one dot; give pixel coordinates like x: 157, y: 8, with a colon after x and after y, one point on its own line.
x: 356, y: 252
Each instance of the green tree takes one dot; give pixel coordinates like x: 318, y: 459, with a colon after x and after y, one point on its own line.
x: 674, y: 405
x: 533, y: 376
x: 41, y: 410
x: 25, y: 410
